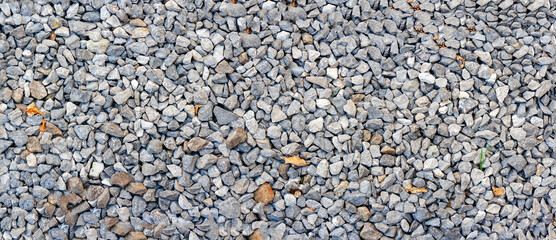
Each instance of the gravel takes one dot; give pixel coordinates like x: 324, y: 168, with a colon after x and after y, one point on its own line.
x: 171, y: 119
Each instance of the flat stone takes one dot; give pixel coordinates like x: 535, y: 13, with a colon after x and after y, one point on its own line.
x: 98, y: 47
x: 197, y: 144
x: 223, y: 116
x: 229, y: 208
x: 320, y: 81
x: 232, y: 10
x: 224, y: 67
x: 37, y: 89
x: 112, y: 129
x: 120, y: 179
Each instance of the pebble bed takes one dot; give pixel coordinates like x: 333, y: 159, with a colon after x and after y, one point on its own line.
x: 336, y: 119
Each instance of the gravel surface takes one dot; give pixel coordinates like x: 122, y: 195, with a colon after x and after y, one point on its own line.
x: 336, y: 119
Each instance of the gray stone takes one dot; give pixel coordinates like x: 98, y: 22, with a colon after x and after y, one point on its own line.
x: 98, y: 47
x: 517, y: 161
x: 232, y: 10
x: 19, y: 138
x: 277, y: 115
x: 223, y: 116
x: 229, y: 208
x: 123, y: 96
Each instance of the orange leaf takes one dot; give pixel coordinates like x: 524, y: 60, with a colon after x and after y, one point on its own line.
x: 498, y: 191
x: 295, y: 160
x: 413, y: 189
x: 436, y: 37
x: 196, y: 107
x: 32, y: 110
x: 43, y: 126
x: 410, y: 1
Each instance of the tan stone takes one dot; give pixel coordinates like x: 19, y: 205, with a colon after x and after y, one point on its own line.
x: 264, y: 194
x: 120, y: 179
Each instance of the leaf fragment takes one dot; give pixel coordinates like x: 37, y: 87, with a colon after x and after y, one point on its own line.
x: 43, y: 126
x: 410, y: 1
x: 295, y: 160
x: 196, y: 107
x: 413, y: 189
x: 32, y: 110
x: 498, y: 191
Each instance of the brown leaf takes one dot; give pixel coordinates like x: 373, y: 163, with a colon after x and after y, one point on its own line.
x: 410, y: 1
x: 498, y: 191
x: 295, y: 160
x: 43, y: 126
x: 32, y: 110
x: 436, y: 37
x: 413, y: 189
x: 197, y: 108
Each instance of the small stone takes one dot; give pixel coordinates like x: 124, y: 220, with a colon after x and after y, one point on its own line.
x: 229, y: 208
x: 232, y: 10
x: 38, y: 90
x: 336, y: 168
x: 197, y: 144
x: 96, y: 169
x: 223, y: 116
x: 236, y: 137
x: 502, y: 93
x: 320, y: 81
x: 112, y: 129
x: 136, y: 236
x: 430, y: 164
x: 122, y: 228
x: 98, y: 47
x: 277, y: 115
x: 74, y: 185
x: 224, y: 67
x: 316, y: 125
x: 388, y: 150
x: 136, y: 188
x: 264, y: 194
x: 376, y: 139
x: 123, y: 96
x: 369, y: 232
x: 350, y: 108
x: 33, y: 145
x: 517, y: 161
x: 120, y: 179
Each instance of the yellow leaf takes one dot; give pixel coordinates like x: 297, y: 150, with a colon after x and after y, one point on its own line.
x: 498, y: 191
x: 197, y: 108
x: 32, y: 110
x: 295, y: 160
x: 43, y: 126
x: 413, y: 189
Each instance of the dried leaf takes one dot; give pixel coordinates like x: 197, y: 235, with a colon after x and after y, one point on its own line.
x: 297, y: 193
x: 410, y: 1
x: 197, y: 108
x: 413, y: 189
x: 32, y: 110
x: 436, y: 37
x: 295, y: 160
x: 294, y: 3
x: 498, y: 191
x: 43, y: 126
x: 419, y: 30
